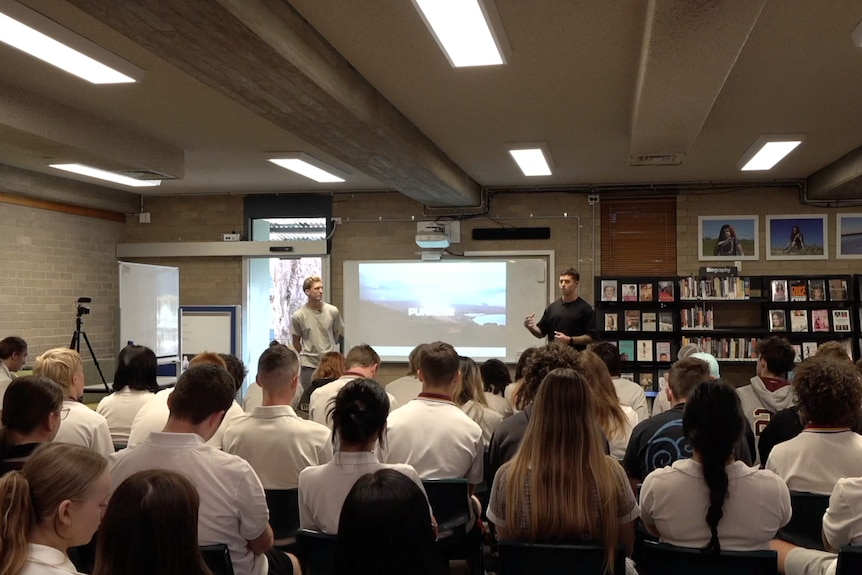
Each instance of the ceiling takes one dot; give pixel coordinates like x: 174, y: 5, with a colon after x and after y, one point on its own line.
x: 363, y: 86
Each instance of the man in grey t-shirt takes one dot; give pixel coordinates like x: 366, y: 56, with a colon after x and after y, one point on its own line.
x: 315, y: 328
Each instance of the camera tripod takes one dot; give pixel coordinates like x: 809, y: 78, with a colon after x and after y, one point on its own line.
x: 81, y: 334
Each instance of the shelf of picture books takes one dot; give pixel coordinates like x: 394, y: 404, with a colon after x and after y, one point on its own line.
x: 821, y: 306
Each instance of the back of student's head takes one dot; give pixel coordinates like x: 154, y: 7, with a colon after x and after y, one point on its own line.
x: 277, y: 366
x: 235, y: 367
x: 685, y: 374
x: 471, y: 388
x: 58, y: 364
x: 834, y: 350
x: 385, y: 528
x: 10, y: 345
x: 136, y: 369
x: 201, y: 391
x: 610, y: 355
x: 829, y: 391
x: 331, y: 366
x: 359, y: 412
x: 543, y: 361
x: 713, y: 422
x: 778, y: 354
x: 151, y: 526
x: 523, y: 360
x: 495, y: 376
x: 207, y: 357
x: 29, y: 402
x: 362, y: 355
x: 31, y: 498
x: 414, y: 359
x: 439, y: 364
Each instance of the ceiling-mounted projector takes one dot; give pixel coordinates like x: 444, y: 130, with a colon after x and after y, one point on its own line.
x: 432, y: 240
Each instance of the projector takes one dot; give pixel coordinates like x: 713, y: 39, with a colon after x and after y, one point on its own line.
x: 432, y: 240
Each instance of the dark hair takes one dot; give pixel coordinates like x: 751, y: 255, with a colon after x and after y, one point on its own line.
x: 829, y: 391
x: 414, y: 358
x: 28, y: 402
x: 10, y: 345
x: 545, y: 360
x: 277, y: 357
x: 151, y: 526
x: 236, y: 368
x: 439, y: 363
x: 685, y: 374
x: 385, y: 528
x: 777, y: 353
x: 572, y: 272
x: 610, y: 355
x: 495, y: 376
x: 713, y: 422
x: 359, y: 411
x: 523, y: 360
x: 361, y: 355
x: 201, y: 391
x: 136, y: 368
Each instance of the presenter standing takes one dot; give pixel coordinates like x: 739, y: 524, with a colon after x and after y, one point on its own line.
x: 315, y: 328
x: 569, y: 320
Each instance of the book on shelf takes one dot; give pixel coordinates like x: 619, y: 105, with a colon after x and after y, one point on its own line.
x: 779, y: 290
x: 627, y: 350
x: 797, y: 350
x: 799, y: 320
x: 816, y: 290
x: 837, y: 289
x: 611, y: 321
x: 630, y: 292
x: 798, y: 290
x: 777, y: 320
x: 648, y: 321
x: 697, y: 317
x: 628, y: 375
x: 609, y: 290
x: 809, y: 348
x: 662, y: 350
x: 644, y: 349
x: 645, y: 292
x: 665, y: 291
x: 726, y: 348
x: 665, y: 321
x: 633, y: 320
x: 841, y: 320
x: 715, y: 288
x: 820, y: 320
x: 646, y: 380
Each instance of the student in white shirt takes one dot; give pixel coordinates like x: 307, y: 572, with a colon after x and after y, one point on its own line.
x: 13, y: 354
x: 628, y: 392
x: 615, y: 419
x: 54, y: 503
x: 134, y: 385
x: 82, y: 426
x: 408, y: 387
x: 495, y: 378
x: 472, y: 400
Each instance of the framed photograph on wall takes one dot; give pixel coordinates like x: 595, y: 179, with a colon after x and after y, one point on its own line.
x: 848, y: 238
x: 727, y: 238
x: 796, y: 237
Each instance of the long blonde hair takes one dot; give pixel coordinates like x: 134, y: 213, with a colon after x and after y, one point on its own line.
x: 30, y: 497
x: 562, y: 459
x: 471, y: 384
x: 611, y: 417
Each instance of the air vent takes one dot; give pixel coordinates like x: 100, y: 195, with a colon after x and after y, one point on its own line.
x: 146, y: 175
x: 656, y: 160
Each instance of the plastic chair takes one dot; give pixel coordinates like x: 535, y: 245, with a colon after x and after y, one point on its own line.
x: 283, y: 517
x: 587, y: 558
x: 806, y: 525
x: 317, y: 552
x: 849, y: 560
x: 217, y: 558
x: 450, y: 501
x: 665, y: 559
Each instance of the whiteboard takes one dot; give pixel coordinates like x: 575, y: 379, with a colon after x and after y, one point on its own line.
x: 209, y: 328
x: 149, y: 307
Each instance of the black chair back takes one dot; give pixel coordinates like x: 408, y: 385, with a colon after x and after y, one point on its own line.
x: 664, y: 559
x: 450, y: 502
x: 317, y: 552
x: 283, y: 514
x: 217, y: 558
x: 806, y: 525
x: 849, y: 560
x: 517, y: 558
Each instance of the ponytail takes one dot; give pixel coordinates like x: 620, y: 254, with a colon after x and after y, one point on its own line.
x: 16, y: 510
x: 715, y: 475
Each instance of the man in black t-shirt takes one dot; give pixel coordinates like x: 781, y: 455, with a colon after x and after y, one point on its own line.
x: 568, y: 320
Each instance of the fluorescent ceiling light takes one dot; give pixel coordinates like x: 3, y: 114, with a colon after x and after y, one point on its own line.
x: 532, y: 161
x: 768, y: 151
x: 18, y: 28
x: 463, y: 31
x: 305, y: 165
x: 92, y: 172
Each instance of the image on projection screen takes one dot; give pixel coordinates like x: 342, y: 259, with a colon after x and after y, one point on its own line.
x: 463, y: 303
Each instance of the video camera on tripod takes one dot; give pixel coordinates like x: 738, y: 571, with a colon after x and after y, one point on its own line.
x: 80, y: 334
x: 83, y: 310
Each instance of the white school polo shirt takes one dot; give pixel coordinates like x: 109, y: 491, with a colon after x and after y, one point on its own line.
x: 318, y: 404
x: 620, y: 441
x: 120, y: 409
x: 44, y: 560
x: 404, y: 388
x: 816, y: 458
x: 233, y: 507
x: 83, y: 426
x: 631, y: 394
x: 279, y: 444
x: 499, y: 404
x: 842, y: 523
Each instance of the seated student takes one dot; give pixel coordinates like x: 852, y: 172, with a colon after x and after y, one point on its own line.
x: 741, y: 507
x: 385, y: 527
x: 233, y: 507
x: 358, y: 418
x: 53, y: 504
x: 330, y: 368
x: 254, y: 394
x: 272, y: 438
x: 430, y: 433
x: 616, y: 420
x: 151, y: 526
x: 408, y: 387
x: 495, y: 378
x: 541, y: 497
x: 13, y: 354
x: 82, y: 426
x: 134, y: 385
x: 511, y: 391
x: 829, y: 392
x: 471, y: 398
x: 507, y: 438
x: 661, y: 403
x: 628, y: 392
x: 154, y: 414
x: 32, y: 411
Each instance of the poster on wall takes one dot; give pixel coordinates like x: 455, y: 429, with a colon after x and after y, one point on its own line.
x: 849, y: 236
x: 796, y: 237
x: 727, y: 238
